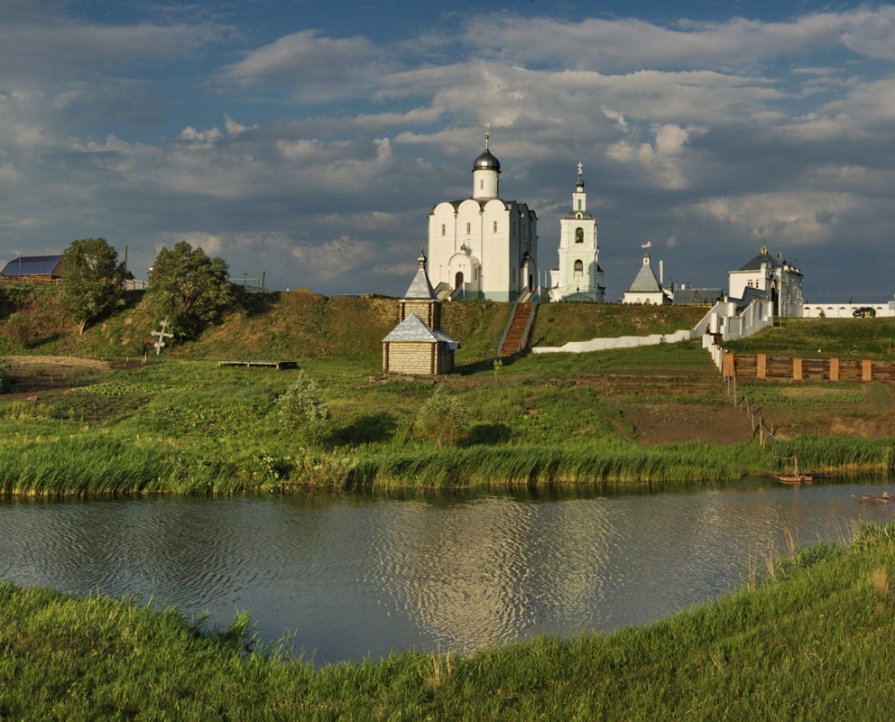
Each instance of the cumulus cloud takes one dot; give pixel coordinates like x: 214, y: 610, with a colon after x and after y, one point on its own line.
x: 663, y: 159
x: 796, y: 218
x: 619, y: 44
x: 310, y: 66
x: 709, y: 135
x: 39, y: 41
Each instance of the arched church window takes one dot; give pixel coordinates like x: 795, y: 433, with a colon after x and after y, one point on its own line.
x: 495, y: 226
x: 579, y: 235
x: 458, y: 280
x: 443, y: 229
x: 468, y: 228
x: 579, y: 267
x: 579, y: 204
x: 481, y: 184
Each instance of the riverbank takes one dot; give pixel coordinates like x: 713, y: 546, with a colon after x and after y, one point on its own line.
x: 803, y: 641
x: 616, y: 420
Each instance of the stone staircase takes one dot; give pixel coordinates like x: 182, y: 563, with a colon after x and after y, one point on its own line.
x: 516, y: 334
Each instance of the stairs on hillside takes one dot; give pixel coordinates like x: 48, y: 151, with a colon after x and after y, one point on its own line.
x: 516, y: 334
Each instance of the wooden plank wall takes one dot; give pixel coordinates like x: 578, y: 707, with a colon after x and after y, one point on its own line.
x: 762, y: 366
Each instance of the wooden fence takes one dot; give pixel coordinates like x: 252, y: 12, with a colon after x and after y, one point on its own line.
x: 762, y: 366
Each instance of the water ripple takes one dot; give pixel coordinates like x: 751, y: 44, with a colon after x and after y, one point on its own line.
x: 352, y: 577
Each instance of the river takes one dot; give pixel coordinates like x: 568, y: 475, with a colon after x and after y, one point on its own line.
x: 349, y: 577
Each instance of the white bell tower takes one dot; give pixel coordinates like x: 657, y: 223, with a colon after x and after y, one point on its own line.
x: 579, y: 274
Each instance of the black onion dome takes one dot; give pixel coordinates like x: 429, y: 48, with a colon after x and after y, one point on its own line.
x: 486, y: 161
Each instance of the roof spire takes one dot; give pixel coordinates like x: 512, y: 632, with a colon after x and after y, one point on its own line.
x: 487, y: 135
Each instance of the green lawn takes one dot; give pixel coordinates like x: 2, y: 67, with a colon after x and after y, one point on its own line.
x: 861, y: 338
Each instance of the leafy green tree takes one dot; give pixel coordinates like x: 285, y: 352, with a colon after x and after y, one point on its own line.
x: 441, y: 418
x: 189, y: 288
x: 304, y: 408
x: 92, y: 280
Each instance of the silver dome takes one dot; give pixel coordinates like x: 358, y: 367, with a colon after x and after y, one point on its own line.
x: 486, y: 161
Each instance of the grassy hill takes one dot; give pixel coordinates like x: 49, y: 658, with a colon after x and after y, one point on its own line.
x: 871, y: 338
x: 302, y: 325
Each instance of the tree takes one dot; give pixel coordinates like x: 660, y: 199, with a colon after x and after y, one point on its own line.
x: 304, y: 408
x: 441, y: 418
x: 92, y: 280
x: 189, y: 288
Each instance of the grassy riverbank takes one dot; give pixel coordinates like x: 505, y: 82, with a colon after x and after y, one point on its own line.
x: 807, y: 641
x: 625, y: 419
x: 192, y: 427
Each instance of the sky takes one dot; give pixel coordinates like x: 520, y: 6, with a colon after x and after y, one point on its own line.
x: 308, y: 139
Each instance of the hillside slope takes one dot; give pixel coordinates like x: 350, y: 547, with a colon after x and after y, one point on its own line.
x: 301, y: 324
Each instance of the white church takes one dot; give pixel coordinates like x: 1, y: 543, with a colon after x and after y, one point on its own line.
x: 578, y: 276
x: 483, y: 246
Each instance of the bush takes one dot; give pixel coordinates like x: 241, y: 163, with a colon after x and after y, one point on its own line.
x: 4, y: 376
x: 22, y: 329
x: 441, y: 418
x: 304, y: 408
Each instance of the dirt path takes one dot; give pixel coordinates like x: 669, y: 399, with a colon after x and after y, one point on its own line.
x: 671, y: 422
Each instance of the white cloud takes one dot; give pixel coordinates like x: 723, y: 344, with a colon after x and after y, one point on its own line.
x: 38, y: 41
x: 663, y: 159
x: 310, y: 66
x: 795, y: 218
x: 337, y: 258
x: 630, y: 43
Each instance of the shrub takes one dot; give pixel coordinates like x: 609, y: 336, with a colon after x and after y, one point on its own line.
x: 304, y: 408
x: 4, y: 376
x: 441, y: 418
x: 22, y: 329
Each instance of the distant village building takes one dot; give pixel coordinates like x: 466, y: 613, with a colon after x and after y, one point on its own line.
x: 873, y: 309
x: 578, y: 276
x: 646, y: 288
x: 689, y: 295
x: 33, y: 269
x: 770, y: 278
x: 418, y: 346
x: 483, y: 246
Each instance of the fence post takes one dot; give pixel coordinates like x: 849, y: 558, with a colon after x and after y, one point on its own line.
x: 834, y: 369
x: 797, y: 369
x: 866, y: 370
x: 761, y: 366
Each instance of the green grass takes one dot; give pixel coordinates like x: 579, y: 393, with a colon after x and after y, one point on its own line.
x: 870, y: 338
x: 192, y: 427
x: 808, y: 639
x: 185, y: 425
x: 559, y: 323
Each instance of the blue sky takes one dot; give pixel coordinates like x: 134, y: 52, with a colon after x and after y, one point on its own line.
x: 310, y: 139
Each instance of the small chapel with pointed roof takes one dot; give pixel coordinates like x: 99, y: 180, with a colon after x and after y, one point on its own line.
x: 418, y: 346
x: 646, y: 288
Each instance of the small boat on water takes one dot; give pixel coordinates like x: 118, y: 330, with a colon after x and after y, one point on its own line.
x: 795, y: 478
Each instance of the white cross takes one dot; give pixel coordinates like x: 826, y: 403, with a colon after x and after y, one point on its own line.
x: 580, y: 168
x: 162, y: 335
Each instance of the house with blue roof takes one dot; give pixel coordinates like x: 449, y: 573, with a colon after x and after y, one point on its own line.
x: 33, y: 269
